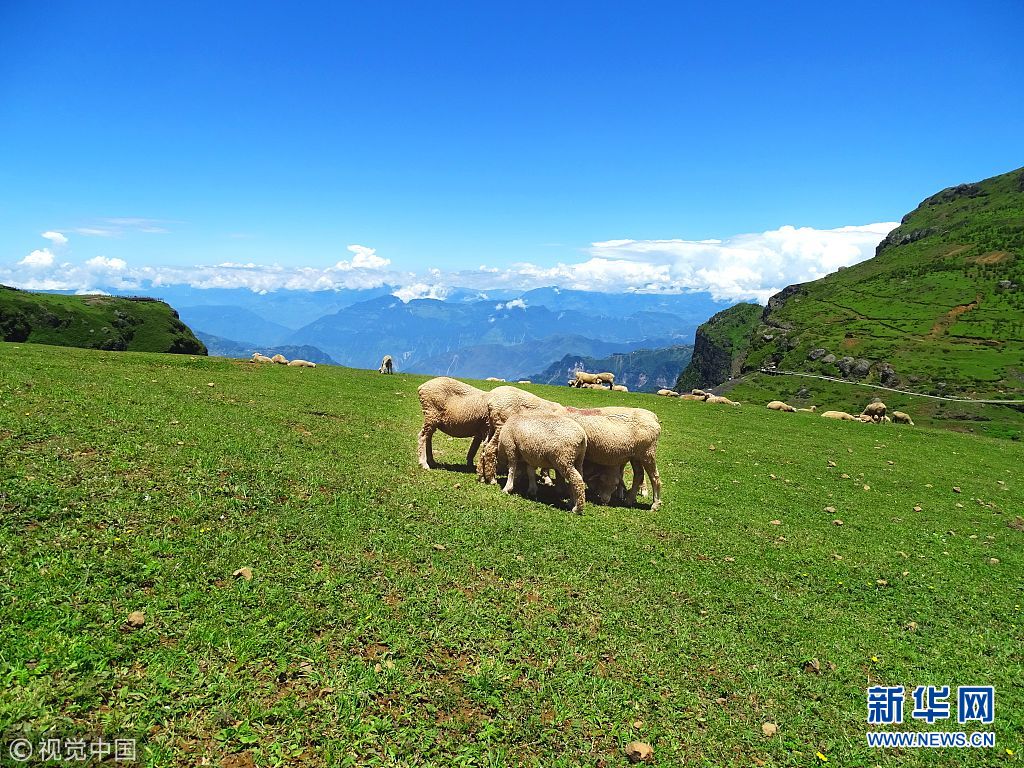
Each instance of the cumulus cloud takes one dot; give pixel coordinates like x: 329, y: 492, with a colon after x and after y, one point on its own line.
x: 38, y: 259
x: 514, y: 304
x: 57, y: 238
x: 740, y: 267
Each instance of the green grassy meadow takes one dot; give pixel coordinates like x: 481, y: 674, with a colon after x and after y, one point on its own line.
x: 398, y: 617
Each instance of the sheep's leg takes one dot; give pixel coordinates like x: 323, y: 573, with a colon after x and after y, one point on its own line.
x: 513, y: 465
x: 652, y: 472
x: 638, y: 480
x: 485, y: 464
x: 638, y: 469
x: 473, y: 448
x: 426, y: 447
x: 531, y: 474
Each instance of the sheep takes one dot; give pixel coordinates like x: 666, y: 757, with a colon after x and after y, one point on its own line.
x: 607, y: 377
x: 492, y: 378
x: 812, y: 409
x: 457, y: 409
x: 668, y: 393
x: 699, y: 392
x: 616, y: 435
x: 620, y: 388
x: 840, y: 415
x: 582, y: 377
x: 280, y: 359
x: 500, y: 404
x: 718, y: 400
x: 778, y: 405
x: 544, y: 440
x: 258, y: 358
x: 690, y: 396
x: 387, y: 365
x: 899, y: 417
x: 875, y: 410
x: 524, y: 381
x: 301, y: 364
x: 865, y: 419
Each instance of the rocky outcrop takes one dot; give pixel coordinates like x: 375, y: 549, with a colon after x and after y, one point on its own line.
x: 720, y: 347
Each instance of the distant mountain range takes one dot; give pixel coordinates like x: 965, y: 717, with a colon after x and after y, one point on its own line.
x: 471, y: 333
x: 219, y: 347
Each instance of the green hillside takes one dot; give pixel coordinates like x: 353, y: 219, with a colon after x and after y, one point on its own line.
x: 403, y: 617
x: 720, y: 347
x: 94, y: 322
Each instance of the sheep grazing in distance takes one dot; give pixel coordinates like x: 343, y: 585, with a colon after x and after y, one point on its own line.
x: 718, y: 400
x: 258, y: 358
x: 457, y: 409
x: 280, y: 359
x: 812, y: 409
x: 301, y: 364
x: 691, y: 396
x: 582, y: 377
x: 607, y: 378
x: 616, y: 435
x: 501, y: 404
x: 839, y: 415
x: 699, y: 393
x: 899, y: 417
x: 875, y: 411
x: 778, y: 405
x: 387, y: 365
x: 524, y: 381
x: 544, y: 440
x: 492, y: 378
x: 592, y: 386
x: 865, y: 419
x: 668, y: 393
x: 620, y: 388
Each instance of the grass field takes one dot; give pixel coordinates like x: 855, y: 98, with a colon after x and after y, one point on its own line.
x: 403, y: 617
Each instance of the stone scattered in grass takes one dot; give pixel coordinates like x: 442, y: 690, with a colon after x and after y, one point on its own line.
x: 244, y: 572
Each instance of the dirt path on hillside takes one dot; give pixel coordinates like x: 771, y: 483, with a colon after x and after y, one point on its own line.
x: 951, y: 317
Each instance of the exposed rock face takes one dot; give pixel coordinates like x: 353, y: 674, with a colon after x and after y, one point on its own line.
x: 720, y: 347
x: 817, y: 354
x: 887, y: 375
x: 777, y: 301
x: 950, y: 194
x: 896, y: 237
x: 861, y: 368
x: 845, y: 365
x: 828, y: 359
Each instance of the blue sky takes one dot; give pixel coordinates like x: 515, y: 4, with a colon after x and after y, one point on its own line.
x: 454, y: 135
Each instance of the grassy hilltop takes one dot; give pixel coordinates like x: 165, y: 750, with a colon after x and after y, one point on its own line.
x: 402, y: 617
x: 94, y: 322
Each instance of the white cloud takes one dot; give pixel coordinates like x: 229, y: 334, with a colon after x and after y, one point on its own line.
x: 514, y: 304
x: 102, y: 263
x: 38, y: 259
x: 421, y: 291
x: 118, y: 226
x: 740, y: 267
x: 57, y: 238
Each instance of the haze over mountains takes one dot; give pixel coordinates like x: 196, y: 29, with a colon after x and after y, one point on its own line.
x: 508, y: 334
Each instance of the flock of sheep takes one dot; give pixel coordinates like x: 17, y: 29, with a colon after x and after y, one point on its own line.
x: 586, y: 447
x: 875, y: 412
x: 281, y: 360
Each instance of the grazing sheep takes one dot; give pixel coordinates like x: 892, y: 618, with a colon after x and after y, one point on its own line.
x: 875, y: 410
x: 718, y: 400
x: 699, y: 392
x: 620, y: 388
x: 280, y: 359
x: 689, y: 396
x: 865, y: 419
x: 387, y: 365
x: 668, y: 393
x: 501, y: 404
x: 524, y: 381
x: 607, y: 378
x: 778, y: 405
x: 840, y: 415
x: 592, y: 386
x: 812, y: 409
x: 582, y: 377
x: 492, y: 378
x: 457, y: 409
x: 616, y: 435
x: 899, y: 417
x: 258, y: 358
x: 544, y: 440
x: 301, y: 364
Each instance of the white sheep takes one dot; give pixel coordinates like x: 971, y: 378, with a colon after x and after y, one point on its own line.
x: 544, y: 440
x: 838, y: 415
x: 280, y: 359
x: 668, y: 393
x: 492, y: 378
x: 616, y: 435
x: 875, y: 411
x: 778, y: 405
x: 582, y: 377
x: 718, y: 400
x: 457, y: 409
x: 387, y: 365
x: 691, y: 396
x: 500, y: 405
x: 812, y: 409
x: 301, y: 364
x: 620, y: 388
x: 524, y: 381
x: 258, y: 358
x: 899, y: 417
